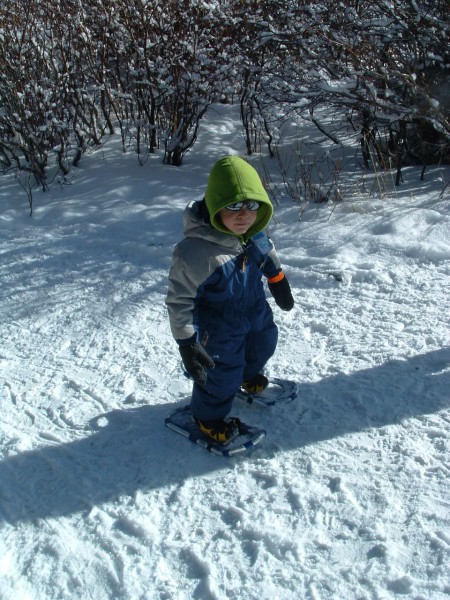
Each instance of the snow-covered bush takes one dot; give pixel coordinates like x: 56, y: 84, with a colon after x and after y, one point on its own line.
x: 383, y: 63
x: 74, y: 72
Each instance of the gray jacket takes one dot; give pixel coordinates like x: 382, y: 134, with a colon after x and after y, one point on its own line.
x: 213, y: 271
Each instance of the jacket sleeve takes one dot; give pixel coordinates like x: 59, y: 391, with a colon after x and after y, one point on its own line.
x: 270, y: 265
x: 186, y: 275
x: 180, y: 300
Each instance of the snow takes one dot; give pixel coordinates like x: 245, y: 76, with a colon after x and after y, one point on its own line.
x: 347, y: 497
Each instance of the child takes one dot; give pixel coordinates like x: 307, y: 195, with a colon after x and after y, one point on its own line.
x: 216, y: 302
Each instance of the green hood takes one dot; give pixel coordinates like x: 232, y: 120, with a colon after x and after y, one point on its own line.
x: 232, y: 179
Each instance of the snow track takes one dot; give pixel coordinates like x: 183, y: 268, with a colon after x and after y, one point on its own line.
x: 347, y: 497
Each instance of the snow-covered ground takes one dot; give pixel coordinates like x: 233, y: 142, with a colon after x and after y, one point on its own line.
x: 349, y: 495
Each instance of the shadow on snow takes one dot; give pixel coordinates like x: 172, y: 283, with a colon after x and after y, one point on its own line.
x: 131, y: 450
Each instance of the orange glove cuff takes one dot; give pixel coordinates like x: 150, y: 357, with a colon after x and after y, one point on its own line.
x: 277, y: 278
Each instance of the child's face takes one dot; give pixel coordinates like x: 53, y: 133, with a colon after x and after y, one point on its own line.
x: 238, y: 222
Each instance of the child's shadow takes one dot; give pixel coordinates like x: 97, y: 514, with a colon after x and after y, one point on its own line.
x: 366, y: 400
x: 120, y: 453
x: 130, y: 450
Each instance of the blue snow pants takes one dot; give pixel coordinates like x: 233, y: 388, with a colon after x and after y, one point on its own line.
x: 240, y: 340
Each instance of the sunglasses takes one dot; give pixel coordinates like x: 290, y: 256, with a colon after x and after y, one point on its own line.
x: 251, y: 205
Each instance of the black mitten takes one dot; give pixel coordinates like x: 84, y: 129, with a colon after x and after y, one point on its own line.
x: 281, y: 291
x: 195, y: 359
